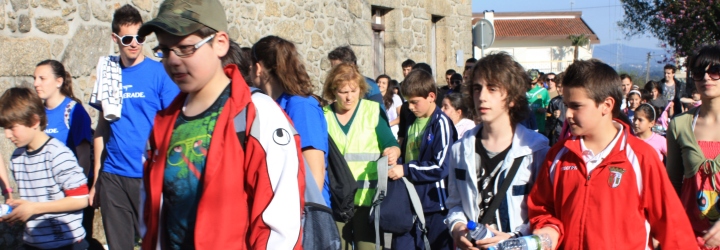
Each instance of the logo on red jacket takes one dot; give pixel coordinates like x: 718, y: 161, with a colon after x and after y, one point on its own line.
x: 616, y: 174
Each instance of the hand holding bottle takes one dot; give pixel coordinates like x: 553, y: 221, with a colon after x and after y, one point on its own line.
x: 532, y: 242
x: 497, y: 237
x: 459, y: 233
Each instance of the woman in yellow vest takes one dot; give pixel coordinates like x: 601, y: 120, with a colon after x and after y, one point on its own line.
x: 361, y: 132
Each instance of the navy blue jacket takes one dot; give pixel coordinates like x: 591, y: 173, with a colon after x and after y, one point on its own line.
x: 430, y: 171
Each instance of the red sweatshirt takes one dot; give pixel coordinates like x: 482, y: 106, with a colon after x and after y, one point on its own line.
x: 626, y: 199
x: 252, y: 198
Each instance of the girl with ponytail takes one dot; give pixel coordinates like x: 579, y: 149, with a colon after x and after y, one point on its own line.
x: 67, y: 121
x: 277, y: 69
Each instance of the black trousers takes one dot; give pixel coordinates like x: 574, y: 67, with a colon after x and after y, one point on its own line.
x: 119, y: 204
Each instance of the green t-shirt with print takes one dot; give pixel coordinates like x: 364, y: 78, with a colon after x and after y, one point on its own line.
x: 182, y: 184
x: 414, y: 138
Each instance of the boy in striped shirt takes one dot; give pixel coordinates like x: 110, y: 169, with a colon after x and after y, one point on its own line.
x: 53, y: 188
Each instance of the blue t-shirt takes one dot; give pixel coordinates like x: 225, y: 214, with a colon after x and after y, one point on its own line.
x: 308, y: 118
x: 71, y: 130
x: 147, y: 89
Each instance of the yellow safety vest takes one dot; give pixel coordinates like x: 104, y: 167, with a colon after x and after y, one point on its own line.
x: 359, y: 147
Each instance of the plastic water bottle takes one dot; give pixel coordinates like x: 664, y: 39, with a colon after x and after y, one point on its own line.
x: 532, y: 242
x: 5, y: 209
x: 477, y: 232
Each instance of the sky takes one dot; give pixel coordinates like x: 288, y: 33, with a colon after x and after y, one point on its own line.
x: 601, y: 15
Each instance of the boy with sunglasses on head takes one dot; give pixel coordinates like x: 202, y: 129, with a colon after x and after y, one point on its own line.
x: 226, y: 170
x: 121, y: 139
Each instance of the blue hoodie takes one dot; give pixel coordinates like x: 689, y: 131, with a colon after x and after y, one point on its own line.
x: 429, y: 172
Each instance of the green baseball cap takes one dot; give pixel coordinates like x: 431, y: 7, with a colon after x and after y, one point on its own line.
x: 534, y: 73
x: 184, y: 17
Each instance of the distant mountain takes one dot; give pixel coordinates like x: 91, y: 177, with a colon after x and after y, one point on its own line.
x: 633, y: 60
x: 627, y: 54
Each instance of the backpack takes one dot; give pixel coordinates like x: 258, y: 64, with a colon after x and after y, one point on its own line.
x: 396, y: 206
x: 319, y: 228
x: 342, y: 184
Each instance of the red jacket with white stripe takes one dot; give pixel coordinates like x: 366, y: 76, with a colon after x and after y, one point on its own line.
x: 252, y: 197
x: 626, y: 199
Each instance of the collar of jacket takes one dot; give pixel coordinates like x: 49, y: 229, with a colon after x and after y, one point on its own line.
x: 524, y: 142
x: 433, y: 117
x: 616, y: 155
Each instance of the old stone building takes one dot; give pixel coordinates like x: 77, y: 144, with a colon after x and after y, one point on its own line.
x: 383, y: 33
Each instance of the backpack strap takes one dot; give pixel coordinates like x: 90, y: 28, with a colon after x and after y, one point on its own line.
x: 240, y: 121
x: 501, y: 192
x: 69, y: 109
x: 417, y: 207
x: 380, y: 192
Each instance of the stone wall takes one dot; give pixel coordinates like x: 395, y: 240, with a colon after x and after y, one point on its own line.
x: 408, y: 34
x: 77, y: 32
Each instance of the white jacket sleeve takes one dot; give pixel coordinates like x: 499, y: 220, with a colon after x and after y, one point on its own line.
x: 454, y: 201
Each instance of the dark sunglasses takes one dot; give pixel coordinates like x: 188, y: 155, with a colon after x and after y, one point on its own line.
x: 551, y: 79
x: 126, y: 40
x: 713, y: 72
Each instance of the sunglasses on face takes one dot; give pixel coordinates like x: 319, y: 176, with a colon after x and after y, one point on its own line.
x: 126, y: 40
x: 713, y: 72
x: 551, y: 79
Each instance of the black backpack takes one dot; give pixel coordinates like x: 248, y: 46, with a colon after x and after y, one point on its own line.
x: 342, y: 184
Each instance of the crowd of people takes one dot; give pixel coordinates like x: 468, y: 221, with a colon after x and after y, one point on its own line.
x: 216, y: 146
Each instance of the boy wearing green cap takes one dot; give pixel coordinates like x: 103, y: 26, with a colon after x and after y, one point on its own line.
x: 207, y: 184
x: 538, y: 98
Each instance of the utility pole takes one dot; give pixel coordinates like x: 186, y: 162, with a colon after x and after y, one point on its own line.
x: 647, y: 69
x: 618, y: 52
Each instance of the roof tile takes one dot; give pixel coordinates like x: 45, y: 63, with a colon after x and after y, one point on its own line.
x: 541, y: 27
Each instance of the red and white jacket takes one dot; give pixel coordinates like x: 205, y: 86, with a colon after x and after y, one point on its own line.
x: 623, y: 203
x: 252, y: 197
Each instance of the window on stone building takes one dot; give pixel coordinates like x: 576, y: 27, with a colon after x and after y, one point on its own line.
x: 378, y: 27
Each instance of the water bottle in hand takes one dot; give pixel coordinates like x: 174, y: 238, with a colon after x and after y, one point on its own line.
x: 5, y: 209
x: 477, y: 232
x: 532, y: 242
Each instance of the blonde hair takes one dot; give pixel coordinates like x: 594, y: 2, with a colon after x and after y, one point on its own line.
x: 339, y: 76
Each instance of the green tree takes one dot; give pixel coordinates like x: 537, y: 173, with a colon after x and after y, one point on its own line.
x: 682, y: 25
x: 638, y: 78
x: 578, y: 41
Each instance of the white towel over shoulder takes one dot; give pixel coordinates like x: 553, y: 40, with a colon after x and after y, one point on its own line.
x: 107, y: 92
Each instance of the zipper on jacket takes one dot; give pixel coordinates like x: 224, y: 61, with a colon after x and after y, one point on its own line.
x: 584, y: 213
